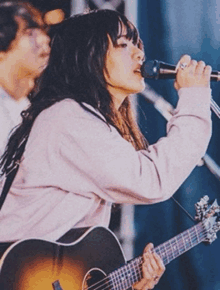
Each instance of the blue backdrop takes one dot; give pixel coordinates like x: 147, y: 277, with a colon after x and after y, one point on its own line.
x: 170, y: 29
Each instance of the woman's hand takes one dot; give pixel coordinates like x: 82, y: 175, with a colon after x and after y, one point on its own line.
x: 152, y: 268
x: 191, y: 73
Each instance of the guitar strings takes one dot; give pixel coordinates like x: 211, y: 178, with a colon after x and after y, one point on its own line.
x: 109, y: 281
x: 168, y: 247
x: 116, y: 283
x: 202, y: 230
x: 112, y: 281
x: 134, y: 276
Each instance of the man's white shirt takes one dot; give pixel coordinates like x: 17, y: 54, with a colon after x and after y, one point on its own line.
x: 10, y: 116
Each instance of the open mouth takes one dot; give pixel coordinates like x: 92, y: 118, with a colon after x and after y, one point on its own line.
x: 137, y: 71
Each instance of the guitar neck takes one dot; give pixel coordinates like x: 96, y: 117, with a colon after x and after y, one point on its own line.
x: 181, y: 243
x: 126, y: 276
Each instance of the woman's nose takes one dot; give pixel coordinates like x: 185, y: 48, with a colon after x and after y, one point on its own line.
x: 139, y: 54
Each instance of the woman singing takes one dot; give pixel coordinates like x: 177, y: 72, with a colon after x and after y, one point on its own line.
x: 84, y: 150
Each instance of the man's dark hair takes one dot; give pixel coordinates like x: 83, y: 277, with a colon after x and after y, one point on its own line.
x: 9, y: 11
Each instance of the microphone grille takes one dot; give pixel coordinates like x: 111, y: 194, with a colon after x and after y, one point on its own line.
x: 150, y: 69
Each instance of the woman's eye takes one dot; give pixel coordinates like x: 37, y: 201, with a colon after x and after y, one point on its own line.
x: 123, y: 45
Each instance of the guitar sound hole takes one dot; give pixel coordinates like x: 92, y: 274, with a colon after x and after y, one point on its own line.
x: 96, y: 279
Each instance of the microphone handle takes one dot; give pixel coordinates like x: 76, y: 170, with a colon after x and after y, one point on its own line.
x: 155, y: 69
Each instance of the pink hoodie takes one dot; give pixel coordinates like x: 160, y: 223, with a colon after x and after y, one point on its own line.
x: 75, y: 166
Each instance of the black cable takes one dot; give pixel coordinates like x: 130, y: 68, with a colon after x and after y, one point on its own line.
x: 183, y: 209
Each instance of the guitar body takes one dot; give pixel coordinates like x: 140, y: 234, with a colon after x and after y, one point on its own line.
x: 91, y: 258
x: 42, y: 265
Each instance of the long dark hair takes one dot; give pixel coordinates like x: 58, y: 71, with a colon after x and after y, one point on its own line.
x: 76, y: 71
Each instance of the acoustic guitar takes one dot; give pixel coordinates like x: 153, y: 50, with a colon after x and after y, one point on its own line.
x: 92, y: 259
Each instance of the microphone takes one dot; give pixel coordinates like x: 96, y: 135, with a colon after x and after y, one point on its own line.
x: 154, y: 69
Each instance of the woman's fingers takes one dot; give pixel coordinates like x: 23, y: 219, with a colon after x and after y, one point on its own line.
x: 191, y: 73
x: 200, y: 67
x: 192, y: 67
x: 160, y: 265
x: 149, y: 247
x: 154, y: 265
x: 152, y: 269
x: 207, y: 74
x: 185, y: 59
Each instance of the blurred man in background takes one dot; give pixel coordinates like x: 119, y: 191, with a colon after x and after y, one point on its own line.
x: 24, y: 53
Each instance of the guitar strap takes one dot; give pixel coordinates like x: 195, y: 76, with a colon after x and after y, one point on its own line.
x: 7, y: 184
x: 11, y: 174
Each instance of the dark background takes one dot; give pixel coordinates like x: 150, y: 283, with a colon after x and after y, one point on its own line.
x: 170, y: 29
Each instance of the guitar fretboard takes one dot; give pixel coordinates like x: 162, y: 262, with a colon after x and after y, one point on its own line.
x: 126, y: 276
x: 181, y: 243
